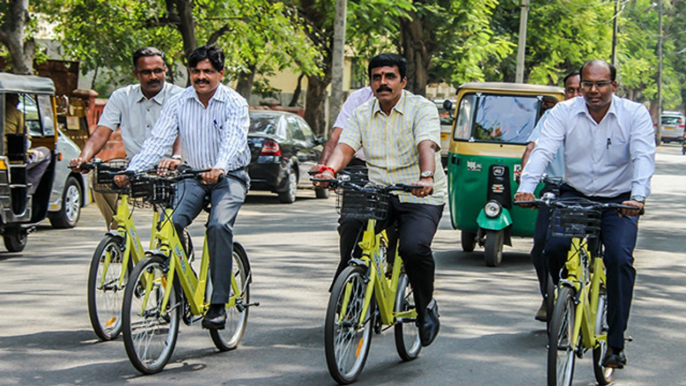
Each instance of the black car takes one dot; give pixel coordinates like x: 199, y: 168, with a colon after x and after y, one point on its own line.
x: 283, y: 148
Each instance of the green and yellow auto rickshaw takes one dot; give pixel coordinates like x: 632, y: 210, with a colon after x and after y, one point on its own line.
x: 489, y: 136
x: 27, y: 124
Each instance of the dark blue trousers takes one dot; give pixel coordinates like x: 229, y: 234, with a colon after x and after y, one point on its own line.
x: 618, y: 235
x: 540, y: 236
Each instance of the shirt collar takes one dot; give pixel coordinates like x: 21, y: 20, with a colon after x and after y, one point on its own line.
x: 399, y: 107
x: 221, y: 95
x: 159, y: 98
x: 580, y: 107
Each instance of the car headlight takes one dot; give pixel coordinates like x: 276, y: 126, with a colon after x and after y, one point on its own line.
x: 492, y: 209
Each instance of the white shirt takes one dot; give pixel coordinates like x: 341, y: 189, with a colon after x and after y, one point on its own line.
x: 556, y: 167
x: 129, y: 109
x: 215, y: 136
x: 602, y: 159
x: 356, y: 99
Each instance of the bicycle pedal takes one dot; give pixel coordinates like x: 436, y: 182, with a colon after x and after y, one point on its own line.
x: 256, y: 304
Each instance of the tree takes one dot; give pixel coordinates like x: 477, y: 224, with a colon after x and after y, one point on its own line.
x: 22, y: 48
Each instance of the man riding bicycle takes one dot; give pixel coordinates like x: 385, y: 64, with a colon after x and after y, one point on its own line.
x: 212, y: 123
x: 400, y: 134
x: 609, y: 157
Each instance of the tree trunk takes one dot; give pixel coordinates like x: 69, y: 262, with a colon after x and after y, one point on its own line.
x: 245, y: 81
x: 12, y: 35
x: 315, y: 105
x: 184, y: 9
x: 298, y: 90
x: 416, y: 47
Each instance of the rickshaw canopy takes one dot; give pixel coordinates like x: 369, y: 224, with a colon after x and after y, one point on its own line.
x: 516, y: 87
x: 30, y: 84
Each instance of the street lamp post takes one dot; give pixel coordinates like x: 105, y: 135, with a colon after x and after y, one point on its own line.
x: 521, y: 48
x: 658, y: 132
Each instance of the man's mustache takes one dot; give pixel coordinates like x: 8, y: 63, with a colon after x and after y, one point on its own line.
x: 201, y: 81
x: 384, y: 88
x: 154, y: 82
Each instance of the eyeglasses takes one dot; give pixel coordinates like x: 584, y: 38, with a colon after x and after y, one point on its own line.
x: 589, y: 85
x: 206, y: 71
x: 157, y: 71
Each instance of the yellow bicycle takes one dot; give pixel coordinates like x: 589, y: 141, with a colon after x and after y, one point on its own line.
x: 164, y: 288
x: 372, y: 294
x: 579, y: 318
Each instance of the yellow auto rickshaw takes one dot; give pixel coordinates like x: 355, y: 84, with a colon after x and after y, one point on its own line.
x: 489, y: 136
x: 27, y: 154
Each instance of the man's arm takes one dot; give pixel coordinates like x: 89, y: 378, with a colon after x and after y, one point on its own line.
x: 329, y: 146
x: 642, y: 151
x: 92, y: 147
x: 427, y: 163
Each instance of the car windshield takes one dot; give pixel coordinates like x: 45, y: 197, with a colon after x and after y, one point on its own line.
x: 505, y: 118
x: 671, y: 120
x: 264, y: 124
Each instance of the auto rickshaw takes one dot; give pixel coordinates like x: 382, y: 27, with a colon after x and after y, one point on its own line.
x: 21, y: 204
x: 489, y: 136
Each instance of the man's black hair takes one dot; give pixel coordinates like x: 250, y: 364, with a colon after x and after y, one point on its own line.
x: 146, y: 51
x: 566, y: 78
x: 390, y: 60
x: 613, y: 70
x: 209, y: 52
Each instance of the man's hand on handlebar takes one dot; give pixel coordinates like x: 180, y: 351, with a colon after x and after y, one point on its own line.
x: 212, y: 176
x: 166, y: 165
x: 121, y: 180
x: 521, y: 196
x: 631, y: 212
x: 425, y: 187
x: 76, y: 164
x: 325, y: 174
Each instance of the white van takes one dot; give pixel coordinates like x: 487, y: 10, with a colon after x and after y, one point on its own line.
x: 672, y: 126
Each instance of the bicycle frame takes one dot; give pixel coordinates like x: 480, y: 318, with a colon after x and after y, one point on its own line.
x: 587, y: 293
x: 384, y: 288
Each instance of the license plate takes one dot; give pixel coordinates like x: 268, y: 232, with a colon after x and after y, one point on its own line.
x: 668, y: 127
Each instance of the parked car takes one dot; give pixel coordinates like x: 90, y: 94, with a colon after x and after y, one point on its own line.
x: 70, y: 190
x: 446, y: 112
x: 283, y: 148
x: 672, y: 126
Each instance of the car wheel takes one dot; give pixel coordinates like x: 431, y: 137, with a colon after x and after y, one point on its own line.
x: 69, y: 214
x: 288, y: 195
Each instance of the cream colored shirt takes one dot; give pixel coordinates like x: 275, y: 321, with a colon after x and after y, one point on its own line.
x: 390, y: 143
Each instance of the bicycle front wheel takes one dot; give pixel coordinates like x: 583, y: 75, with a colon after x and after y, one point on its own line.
x: 604, y: 375
x: 347, y: 333
x: 104, y: 289
x: 237, y: 316
x: 150, y: 332
x: 561, y: 349
x: 407, y: 341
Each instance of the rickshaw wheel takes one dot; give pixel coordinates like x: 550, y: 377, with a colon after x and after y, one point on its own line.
x: 494, y: 248
x: 15, y: 239
x: 468, y: 241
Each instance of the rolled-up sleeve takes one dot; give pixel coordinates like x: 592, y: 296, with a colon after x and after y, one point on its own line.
x: 642, y: 150
x: 352, y: 135
x: 112, y: 113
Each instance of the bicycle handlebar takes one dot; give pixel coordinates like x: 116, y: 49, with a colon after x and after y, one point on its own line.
x: 578, y: 203
x: 335, y: 182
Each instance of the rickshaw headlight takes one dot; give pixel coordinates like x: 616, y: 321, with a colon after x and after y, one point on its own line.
x: 492, y: 209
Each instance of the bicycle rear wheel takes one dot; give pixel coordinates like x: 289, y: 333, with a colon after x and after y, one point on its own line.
x: 237, y: 317
x: 347, y: 337
x: 104, y: 292
x: 604, y: 375
x: 407, y: 341
x: 150, y: 332
x: 561, y: 350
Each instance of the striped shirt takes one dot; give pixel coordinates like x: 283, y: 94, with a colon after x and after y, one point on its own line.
x: 215, y: 136
x: 390, y: 143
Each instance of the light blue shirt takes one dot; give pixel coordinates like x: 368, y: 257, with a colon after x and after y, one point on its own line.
x: 602, y: 159
x: 556, y: 167
x: 215, y: 136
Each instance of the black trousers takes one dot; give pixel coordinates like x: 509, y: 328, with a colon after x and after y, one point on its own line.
x: 416, y: 225
x: 618, y: 235
x: 540, y: 235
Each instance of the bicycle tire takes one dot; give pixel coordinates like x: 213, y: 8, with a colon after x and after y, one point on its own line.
x: 562, y: 353
x: 237, y: 319
x: 549, y: 301
x: 339, y: 338
x: 104, y: 302
x: 150, y: 335
x: 407, y: 341
x: 604, y: 375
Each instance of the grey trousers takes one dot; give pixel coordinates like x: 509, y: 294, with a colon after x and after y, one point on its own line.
x: 227, y: 197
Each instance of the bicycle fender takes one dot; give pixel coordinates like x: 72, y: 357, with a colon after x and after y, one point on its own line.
x: 494, y: 224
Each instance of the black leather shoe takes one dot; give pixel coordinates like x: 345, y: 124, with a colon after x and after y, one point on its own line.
x: 428, y: 328
x: 542, y: 313
x: 614, y: 358
x: 215, y: 319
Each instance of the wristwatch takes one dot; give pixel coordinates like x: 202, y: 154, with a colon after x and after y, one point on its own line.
x: 641, y: 199
x: 427, y: 174
x: 177, y: 157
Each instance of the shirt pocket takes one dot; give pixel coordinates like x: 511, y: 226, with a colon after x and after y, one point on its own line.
x: 405, y: 148
x: 617, y: 154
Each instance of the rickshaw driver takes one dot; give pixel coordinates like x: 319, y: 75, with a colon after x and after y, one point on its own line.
x: 400, y: 134
x: 38, y: 159
x: 554, y: 170
x: 609, y: 157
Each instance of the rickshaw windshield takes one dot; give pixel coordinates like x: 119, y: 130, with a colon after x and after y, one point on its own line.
x: 504, y: 118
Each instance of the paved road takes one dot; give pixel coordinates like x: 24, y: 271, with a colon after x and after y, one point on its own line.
x: 488, y: 335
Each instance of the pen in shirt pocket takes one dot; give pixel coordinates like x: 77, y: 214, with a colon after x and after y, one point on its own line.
x: 609, y: 142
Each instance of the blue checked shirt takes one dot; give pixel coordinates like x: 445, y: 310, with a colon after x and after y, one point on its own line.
x: 212, y: 137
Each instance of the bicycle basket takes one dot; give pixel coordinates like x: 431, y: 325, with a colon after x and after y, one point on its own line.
x: 575, y: 222
x: 104, y: 176
x: 151, y: 190
x: 362, y: 204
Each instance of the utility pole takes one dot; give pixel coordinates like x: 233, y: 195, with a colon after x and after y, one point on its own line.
x: 521, y: 48
x: 613, y: 58
x: 337, y: 61
x: 658, y: 132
